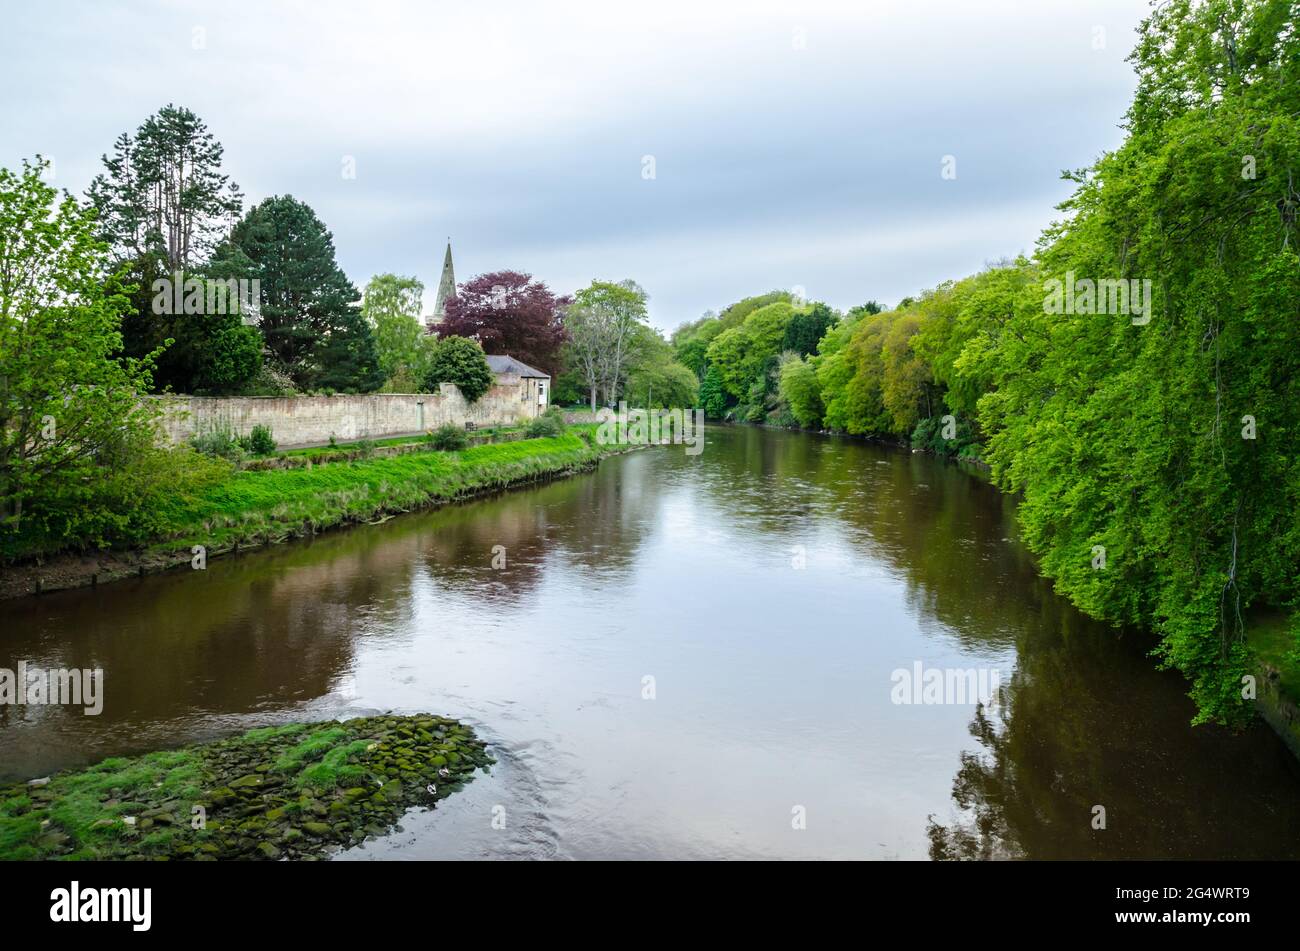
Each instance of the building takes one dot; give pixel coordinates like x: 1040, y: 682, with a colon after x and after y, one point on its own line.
x: 534, y: 385
x: 446, y: 291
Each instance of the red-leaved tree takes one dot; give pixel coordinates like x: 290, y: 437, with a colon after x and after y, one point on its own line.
x: 510, y: 313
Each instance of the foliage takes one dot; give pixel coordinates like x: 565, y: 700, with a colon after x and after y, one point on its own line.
x: 550, y: 423
x: 509, y: 313
x: 605, y: 324
x: 460, y: 361
x: 929, y: 436
x: 218, y: 440
x: 78, y: 464
x: 163, y: 204
x: 392, y: 308
x: 260, y: 441
x: 654, y: 378
x: 448, y: 438
x: 807, y: 326
x: 799, y: 390
x: 309, y: 318
x: 1200, y: 199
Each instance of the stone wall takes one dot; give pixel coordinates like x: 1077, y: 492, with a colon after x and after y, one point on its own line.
x: 297, y: 421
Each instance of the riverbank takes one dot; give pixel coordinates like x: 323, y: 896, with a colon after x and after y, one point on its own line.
x: 259, y: 507
x: 295, y: 791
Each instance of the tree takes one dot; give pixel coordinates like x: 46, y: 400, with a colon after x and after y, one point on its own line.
x: 1142, y: 441
x: 509, y: 313
x: 799, y: 390
x: 461, y: 361
x: 713, y: 395
x: 807, y: 326
x: 654, y: 378
x: 309, y: 316
x: 163, y: 204
x: 746, y: 354
x: 392, y: 308
x: 603, y: 325
x: 70, y: 414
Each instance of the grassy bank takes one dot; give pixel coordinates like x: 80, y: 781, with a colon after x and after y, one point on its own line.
x: 281, y: 792
x: 251, y: 507
x: 255, y: 507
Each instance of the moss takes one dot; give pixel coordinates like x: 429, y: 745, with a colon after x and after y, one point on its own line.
x: 252, y: 796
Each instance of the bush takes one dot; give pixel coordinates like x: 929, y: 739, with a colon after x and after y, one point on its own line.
x: 461, y: 361
x: 448, y: 438
x: 550, y: 423
x: 928, y: 435
x: 218, y: 441
x: 259, y: 441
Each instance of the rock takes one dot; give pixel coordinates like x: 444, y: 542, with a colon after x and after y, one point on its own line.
x: 244, y: 782
x: 318, y: 829
x: 269, y: 850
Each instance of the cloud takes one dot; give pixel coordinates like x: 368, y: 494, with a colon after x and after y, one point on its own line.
x: 792, y: 142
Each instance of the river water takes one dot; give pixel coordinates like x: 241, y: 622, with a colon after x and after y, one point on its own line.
x: 688, y: 657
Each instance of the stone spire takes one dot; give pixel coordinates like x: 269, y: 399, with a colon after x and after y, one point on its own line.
x: 446, y: 287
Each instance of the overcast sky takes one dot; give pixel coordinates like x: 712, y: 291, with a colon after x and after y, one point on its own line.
x: 794, y: 144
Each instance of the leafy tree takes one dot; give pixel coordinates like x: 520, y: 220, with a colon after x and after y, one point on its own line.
x: 800, y: 391
x: 1146, y: 437
x: 605, y: 324
x: 747, y: 353
x: 460, y: 361
x: 78, y: 463
x: 509, y: 313
x: 392, y: 308
x: 163, y: 204
x: 691, y: 342
x: 713, y: 395
x: 806, y: 328
x: 309, y: 317
x: 654, y: 377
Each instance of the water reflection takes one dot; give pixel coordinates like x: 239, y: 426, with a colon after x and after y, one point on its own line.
x: 765, y: 591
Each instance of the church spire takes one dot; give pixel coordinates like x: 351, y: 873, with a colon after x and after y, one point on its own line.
x: 446, y: 287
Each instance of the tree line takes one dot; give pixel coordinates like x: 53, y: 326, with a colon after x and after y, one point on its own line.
x: 1134, y: 381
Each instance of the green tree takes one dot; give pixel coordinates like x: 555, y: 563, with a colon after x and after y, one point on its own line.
x: 800, y: 391
x: 713, y: 395
x: 655, y: 378
x: 392, y: 308
x: 1141, y: 440
x: 163, y: 204
x: 309, y: 316
x: 604, y: 324
x: 78, y: 463
x: 461, y: 361
x: 807, y: 326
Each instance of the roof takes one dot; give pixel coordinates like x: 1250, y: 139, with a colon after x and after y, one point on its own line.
x: 503, y: 363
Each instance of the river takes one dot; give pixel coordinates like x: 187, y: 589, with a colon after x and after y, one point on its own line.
x: 687, y: 657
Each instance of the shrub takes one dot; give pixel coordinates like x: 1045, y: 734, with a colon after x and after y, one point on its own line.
x: 260, y: 442
x: 550, y: 423
x: 219, y: 441
x: 448, y: 438
x: 461, y: 361
x: 928, y: 435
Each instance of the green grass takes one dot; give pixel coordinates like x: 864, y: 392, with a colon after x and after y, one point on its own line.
x: 269, y: 505
x: 270, y: 793
x: 315, y: 451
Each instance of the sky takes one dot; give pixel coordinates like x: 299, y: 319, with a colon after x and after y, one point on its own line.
x: 709, y: 151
